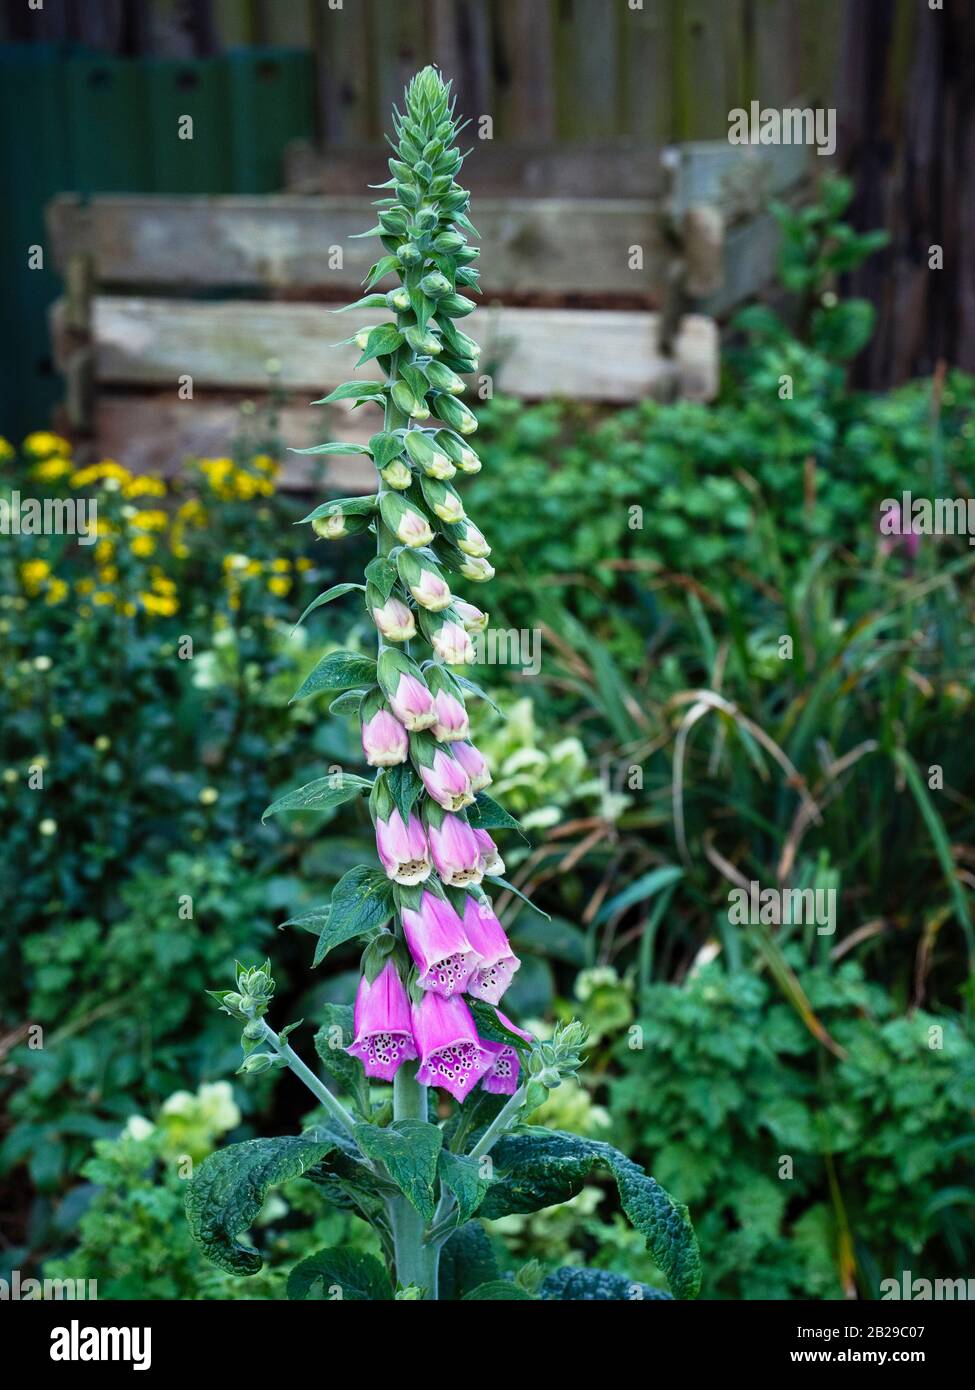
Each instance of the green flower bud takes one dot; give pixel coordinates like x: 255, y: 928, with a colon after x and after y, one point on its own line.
x: 444, y: 379
x: 256, y: 1063
x: 448, y: 243
x: 409, y: 253
x: 476, y: 570
x: 398, y: 299
x: 404, y: 400
x: 435, y: 285
x: 425, y: 453
x: 396, y: 475
x: 455, y: 306
x: 423, y: 341
x: 456, y: 414
x: 442, y: 500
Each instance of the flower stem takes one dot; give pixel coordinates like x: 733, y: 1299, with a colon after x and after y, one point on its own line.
x: 318, y: 1088
x: 416, y: 1263
x: 503, y: 1120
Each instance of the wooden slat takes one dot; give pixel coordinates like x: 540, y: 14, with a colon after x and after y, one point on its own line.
x: 602, y: 169
x: 609, y: 355
x: 739, y: 180
x: 648, y: 56
x: 285, y: 243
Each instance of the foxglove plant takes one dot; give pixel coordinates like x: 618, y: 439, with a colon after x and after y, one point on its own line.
x: 437, y: 960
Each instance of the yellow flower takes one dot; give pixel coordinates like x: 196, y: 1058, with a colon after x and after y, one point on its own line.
x: 32, y: 575
x: 156, y: 520
x: 129, y: 609
x: 104, y: 551
x: 303, y: 563
x: 253, y: 569
x: 143, y: 546
x: 192, y: 511
x: 281, y: 566
x: 57, y: 591
x: 108, y: 574
x: 84, y: 586
x: 42, y: 444
x: 103, y: 598
x: 264, y: 463
x: 7, y: 450
x: 143, y: 486
x: 51, y: 469
x: 181, y: 551
x: 159, y: 606
x: 162, y: 585
x: 279, y: 586
x: 106, y: 471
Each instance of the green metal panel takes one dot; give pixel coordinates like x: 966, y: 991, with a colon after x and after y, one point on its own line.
x: 190, y: 121
x: 108, y: 125
x: 272, y: 98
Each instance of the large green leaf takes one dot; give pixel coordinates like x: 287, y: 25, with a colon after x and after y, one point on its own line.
x: 541, y: 1168
x: 354, y: 390
x: 572, y: 1282
x: 409, y: 1150
x: 362, y: 901
x: 321, y: 795
x: 336, y: 591
x: 466, y: 1261
x: 344, y: 1275
x: 337, y: 671
x: 461, y: 1175
x: 488, y: 814
x: 404, y: 787
x: 229, y: 1189
x: 497, y: 1289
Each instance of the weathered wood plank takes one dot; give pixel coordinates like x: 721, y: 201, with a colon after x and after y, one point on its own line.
x: 287, y: 243
x: 601, y: 169
x: 739, y: 180
x: 610, y: 355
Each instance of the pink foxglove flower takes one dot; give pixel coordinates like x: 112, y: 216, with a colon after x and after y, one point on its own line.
x: 491, y: 861
x: 452, y: 644
x: 447, y: 781
x: 497, y: 961
x: 395, y: 621
x: 452, y: 721
x: 477, y: 570
x: 474, y: 764
x: 413, y: 528
x: 383, y: 1024
x: 431, y: 591
x: 502, y: 1079
x: 413, y: 703
x: 455, y: 851
x: 472, y: 618
x: 439, y: 946
x: 384, y: 740
x: 451, y: 1055
x: 403, y: 849
x: 472, y: 542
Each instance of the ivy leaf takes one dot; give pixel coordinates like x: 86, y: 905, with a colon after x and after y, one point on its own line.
x: 542, y: 1168
x: 321, y: 795
x: 466, y: 1261
x: 337, y: 671
x: 336, y: 591
x: 229, y: 1189
x: 461, y: 1174
x: 404, y: 787
x: 362, y: 900
x: 333, y: 448
x: 573, y: 1282
x: 499, y: 1289
x: 354, y: 391
x: 355, y: 1277
x: 382, y: 572
x: 487, y: 814
x: 384, y: 339
x: 409, y: 1149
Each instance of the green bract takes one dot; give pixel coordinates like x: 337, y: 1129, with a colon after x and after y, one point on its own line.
x: 426, y: 938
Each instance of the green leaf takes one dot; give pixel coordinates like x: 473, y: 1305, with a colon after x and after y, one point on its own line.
x: 499, y: 1289
x: 409, y: 1150
x: 336, y: 591
x: 349, y: 701
x: 573, y: 1282
x: 385, y: 447
x: 542, y: 1168
x: 939, y: 838
x: 404, y: 787
x: 384, y: 266
x: 337, y: 671
x: 382, y: 572
x: 334, y: 448
x: 345, y: 1276
x: 639, y: 891
x: 368, y: 301
x: 321, y: 795
x: 362, y: 901
x: 354, y: 391
x: 466, y: 1261
x: 487, y: 814
x: 312, y: 921
x: 229, y: 1188
x: 556, y: 938
x: 382, y: 340
x: 348, y: 506
x: 473, y: 688
x: 461, y: 1175
x: 510, y: 888
x: 489, y: 1025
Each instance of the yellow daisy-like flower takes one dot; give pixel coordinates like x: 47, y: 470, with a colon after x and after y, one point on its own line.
x: 104, y: 552
x: 192, y: 511
x: 7, y: 450
x: 56, y: 592
x: 32, y: 575
x: 253, y: 569
x: 303, y: 563
x: 144, y: 486
x: 42, y: 444
x: 281, y: 566
x: 103, y: 598
x: 85, y: 586
x: 156, y: 520
x: 159, y: 605
x: 51, y: 469
x: 108, y: 574
x: 279, y: 586
x: 143, y: 546
x: 161, y: 584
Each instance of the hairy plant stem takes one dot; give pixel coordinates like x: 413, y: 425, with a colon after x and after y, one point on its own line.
x: 442, y: 1225
x: 416, y: 1262
x: 318, y: 1088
